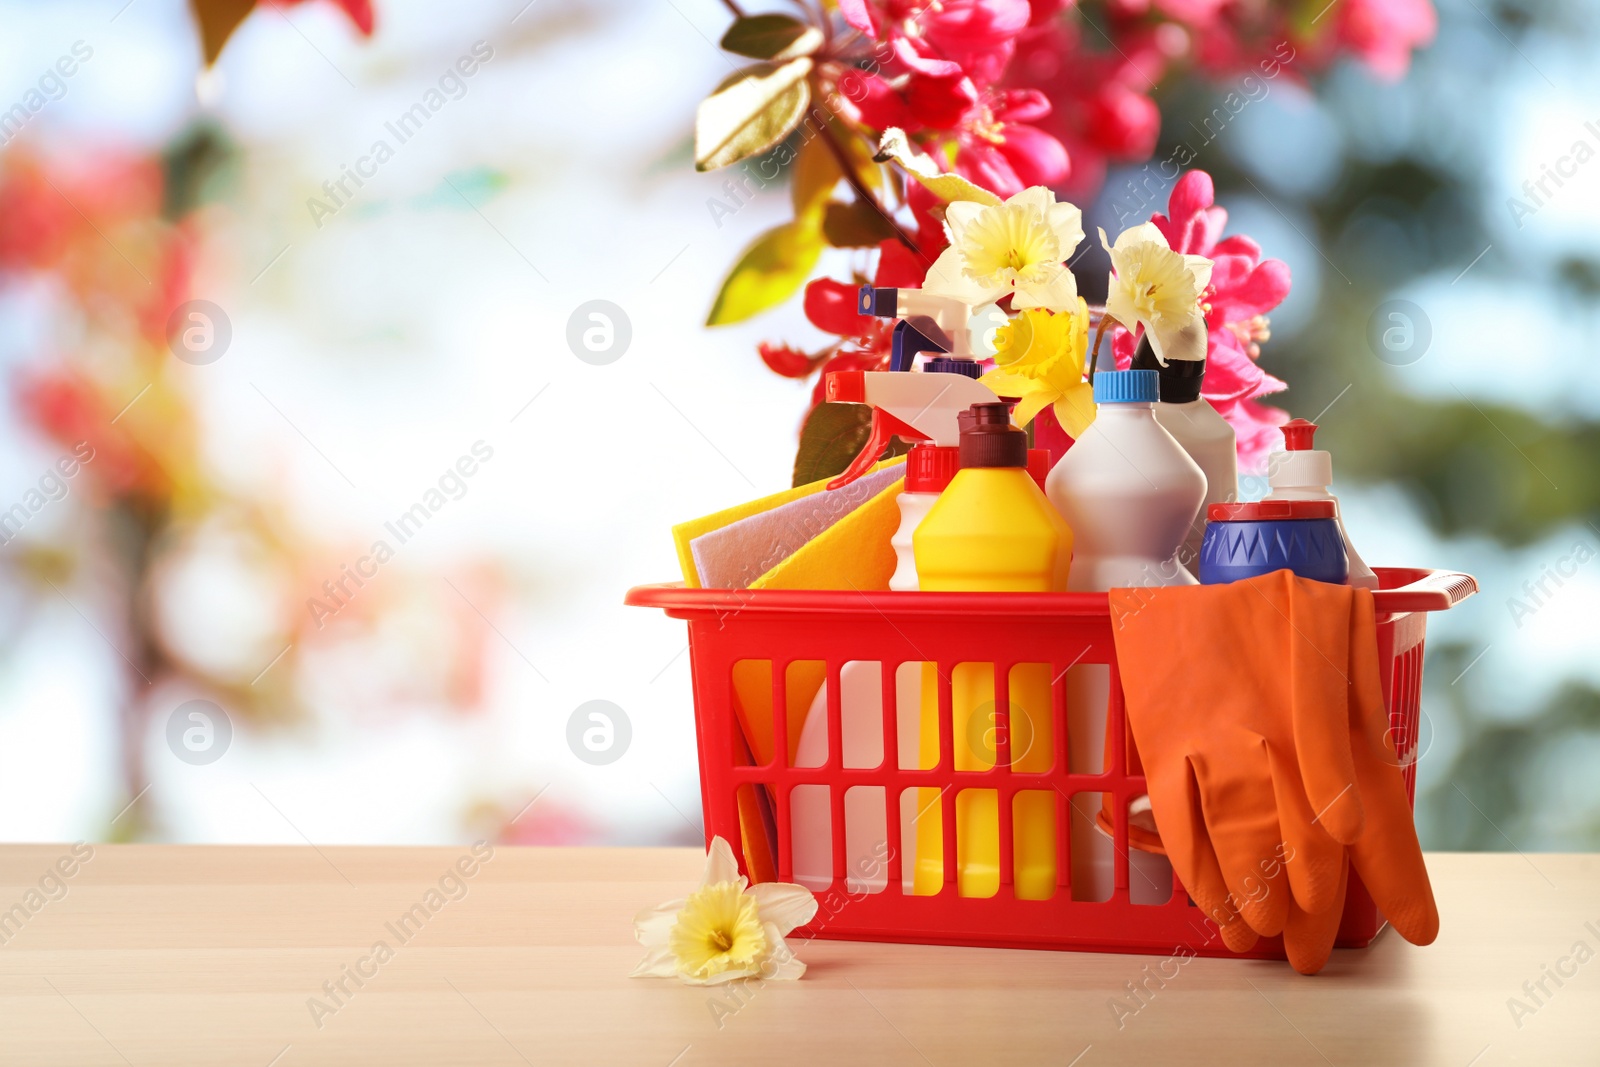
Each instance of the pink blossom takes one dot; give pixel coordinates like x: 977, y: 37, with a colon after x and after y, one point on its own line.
x: 1385, y: 32
x: 916, y: 101
x: 978, y: 35
x: 1045, y: 10
x: 1100, y: 104
x: 999, y: 149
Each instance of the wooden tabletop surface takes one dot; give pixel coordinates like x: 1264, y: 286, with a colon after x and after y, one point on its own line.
x: 174, y: 955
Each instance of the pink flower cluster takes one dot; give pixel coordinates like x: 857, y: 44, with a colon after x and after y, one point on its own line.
x: 1017, y: 93
x: 951, y: 56
x: 1025, y: 97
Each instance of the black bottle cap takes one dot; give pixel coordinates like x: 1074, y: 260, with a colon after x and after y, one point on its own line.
x: 1179, y: 380
x: 989, y: 440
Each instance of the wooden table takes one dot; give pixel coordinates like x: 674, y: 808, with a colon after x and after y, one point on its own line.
x: 177, y: 955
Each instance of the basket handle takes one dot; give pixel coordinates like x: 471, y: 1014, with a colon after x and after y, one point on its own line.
x: 1427, y: 591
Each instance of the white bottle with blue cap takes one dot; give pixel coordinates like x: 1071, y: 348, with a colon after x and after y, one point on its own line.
x: 1130, y: 492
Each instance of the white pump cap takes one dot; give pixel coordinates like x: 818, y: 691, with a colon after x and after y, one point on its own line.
x: 1285, y: 469
x: 1300, y: 465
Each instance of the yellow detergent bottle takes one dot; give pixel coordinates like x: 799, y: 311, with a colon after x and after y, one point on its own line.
x: 992, y: 530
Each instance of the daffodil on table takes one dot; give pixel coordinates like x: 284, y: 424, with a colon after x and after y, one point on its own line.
x: 725, y: 930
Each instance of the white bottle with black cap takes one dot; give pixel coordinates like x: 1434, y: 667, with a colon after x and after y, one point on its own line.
x: 1301, y: 472
x: 1203, y: 433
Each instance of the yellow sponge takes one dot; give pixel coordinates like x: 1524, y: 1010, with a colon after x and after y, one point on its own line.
x: 853, y: 553
x: 685, y: 532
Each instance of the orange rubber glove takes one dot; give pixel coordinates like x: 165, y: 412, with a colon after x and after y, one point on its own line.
x: 1259, y: 719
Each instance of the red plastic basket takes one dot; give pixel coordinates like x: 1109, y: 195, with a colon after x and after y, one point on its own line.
x: 782, y: 628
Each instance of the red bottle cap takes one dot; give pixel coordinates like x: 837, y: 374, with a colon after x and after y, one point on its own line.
x: 929, y: 468
x: 1297, y: 435
x: 1270, y: 510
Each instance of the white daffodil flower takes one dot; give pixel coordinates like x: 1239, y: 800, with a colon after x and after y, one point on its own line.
x: 1016, y: 248
x: 726, y: 929
x: 1159, y: 289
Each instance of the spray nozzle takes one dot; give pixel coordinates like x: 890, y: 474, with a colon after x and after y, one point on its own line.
x: 877, y: 302
x: 921, y: 408
x: 1297, y: 435
x: 949, y: 318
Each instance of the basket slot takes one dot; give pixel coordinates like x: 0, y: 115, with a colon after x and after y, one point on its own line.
x: 1004, y: 801
x: 894, y: 842
x: 1093, y: 858
x: 1058, y: 767
x: 782, y: 756
x: 1150, y: 876
x: 946, y: 764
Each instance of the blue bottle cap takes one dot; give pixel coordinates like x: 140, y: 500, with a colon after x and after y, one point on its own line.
x: 1126, y: 387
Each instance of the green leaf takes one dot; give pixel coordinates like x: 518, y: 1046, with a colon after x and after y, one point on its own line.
x: 815, y: 170
x: 750, y: 112
x: 947, y: 187
x: 811, y: 178
x: 855, y: 225
x: 771, y: 37
x: 768, y: 273
x: 832, y: 436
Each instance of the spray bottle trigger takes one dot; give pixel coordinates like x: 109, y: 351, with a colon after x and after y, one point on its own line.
x: 884, y: 428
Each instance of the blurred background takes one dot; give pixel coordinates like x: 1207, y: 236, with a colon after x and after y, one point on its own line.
x: 383, y: 357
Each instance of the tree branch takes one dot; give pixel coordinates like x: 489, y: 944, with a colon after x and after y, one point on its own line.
x: 860, y: 188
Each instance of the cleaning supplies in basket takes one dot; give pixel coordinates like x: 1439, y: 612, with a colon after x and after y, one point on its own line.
x: 1278, y: 765
x: 1130, y: 493
x: 992, y: 529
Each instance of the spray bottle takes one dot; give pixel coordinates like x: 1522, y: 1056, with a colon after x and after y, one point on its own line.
x: 922, y: 408
x: 1301, y: 472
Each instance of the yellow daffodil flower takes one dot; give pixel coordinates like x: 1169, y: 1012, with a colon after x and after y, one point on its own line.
x: 1039, y: 357
x: 1012, y: 249
x: 725, y: 930
x: 1159, y: 289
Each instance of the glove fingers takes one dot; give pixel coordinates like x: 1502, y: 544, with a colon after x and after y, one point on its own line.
x: 1319, y: 658
x: 1308, y: 936
x: 1387, y: 855
x: 1312, y: 860
x: 1175, y: 803
x: 1241, y: 818
x: 1237, y: 935
x: 1389, y: 860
